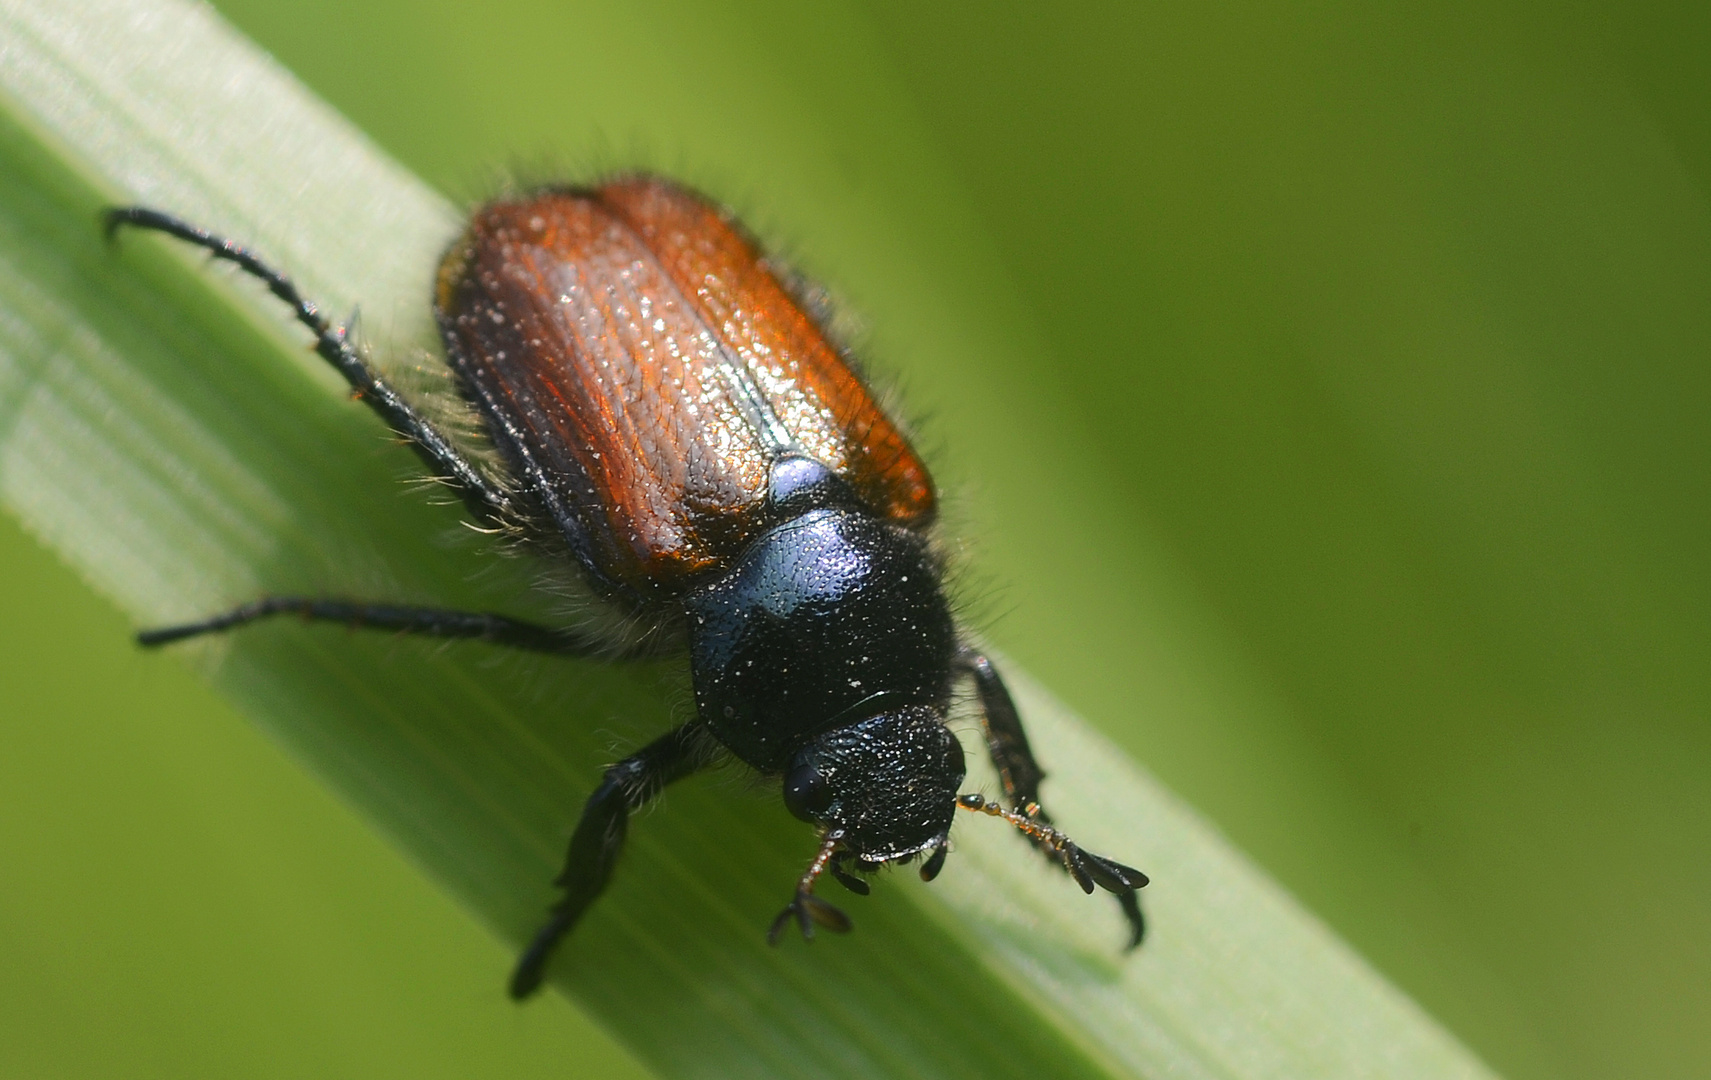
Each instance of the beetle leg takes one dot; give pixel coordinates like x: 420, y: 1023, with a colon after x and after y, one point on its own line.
x: 1021, y: 776
x: 402, y: 619
x: 485, y: 498
x: 1005, y: 739
x: 628, y: 786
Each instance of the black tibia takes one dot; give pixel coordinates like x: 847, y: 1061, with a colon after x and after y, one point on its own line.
x: 360, y: 615
x: 1005, y: 739
x: 1131, y: 905
x: 599, y: 838
x: 1021, y: 776
x: 485, y: 499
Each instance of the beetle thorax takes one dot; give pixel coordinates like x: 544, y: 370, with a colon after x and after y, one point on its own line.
x: 826, y: 619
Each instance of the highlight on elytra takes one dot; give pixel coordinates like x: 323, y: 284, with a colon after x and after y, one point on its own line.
x: 673, y: 419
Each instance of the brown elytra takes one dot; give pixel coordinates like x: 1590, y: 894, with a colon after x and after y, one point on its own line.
x: 640, y: 362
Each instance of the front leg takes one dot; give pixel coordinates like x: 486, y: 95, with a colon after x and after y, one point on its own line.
x: 594, y: 848
x: 1021, y: 776
x: 1005, y: 739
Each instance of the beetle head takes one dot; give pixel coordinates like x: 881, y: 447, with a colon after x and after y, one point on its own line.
x: 887, y: 784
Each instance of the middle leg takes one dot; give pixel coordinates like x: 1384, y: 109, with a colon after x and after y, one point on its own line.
x: 399, y: 618
x: 599, y: 838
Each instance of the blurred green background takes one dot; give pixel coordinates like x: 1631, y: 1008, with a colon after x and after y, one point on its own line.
x: 1323, y: 394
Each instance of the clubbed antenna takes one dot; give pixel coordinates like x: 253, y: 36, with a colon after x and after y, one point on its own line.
x: 806, y: 908
x: 1085, y: 867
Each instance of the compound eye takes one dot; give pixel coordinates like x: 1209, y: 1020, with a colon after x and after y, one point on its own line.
x: 806, y: 793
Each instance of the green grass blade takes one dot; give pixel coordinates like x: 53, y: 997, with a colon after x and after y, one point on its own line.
x: 163, y: 429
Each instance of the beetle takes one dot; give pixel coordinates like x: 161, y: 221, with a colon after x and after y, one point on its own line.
x: 674, y: 420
